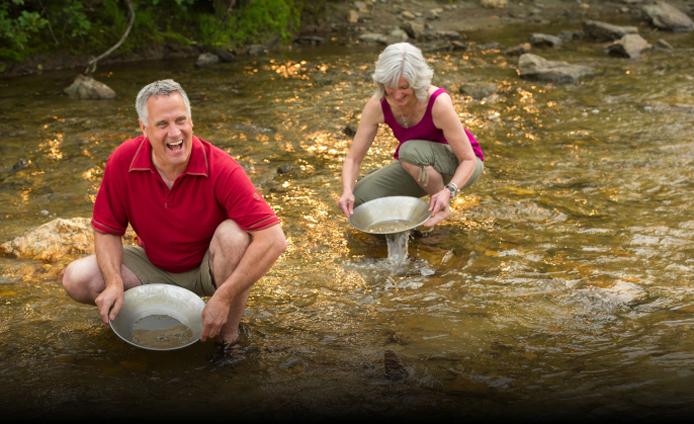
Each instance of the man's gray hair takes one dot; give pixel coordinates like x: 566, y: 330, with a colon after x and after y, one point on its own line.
x: 403, y: 60
x: 159, y: 88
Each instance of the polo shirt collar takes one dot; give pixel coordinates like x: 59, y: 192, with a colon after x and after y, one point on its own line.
x: 197, y: 164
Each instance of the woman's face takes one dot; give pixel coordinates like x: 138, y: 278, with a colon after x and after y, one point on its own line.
x: 402, y: 94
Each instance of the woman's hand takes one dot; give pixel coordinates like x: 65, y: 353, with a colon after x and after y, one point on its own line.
x: 438, y: 206
x: 346, y: 203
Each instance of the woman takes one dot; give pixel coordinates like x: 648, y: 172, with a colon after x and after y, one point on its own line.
x: 435, y: 154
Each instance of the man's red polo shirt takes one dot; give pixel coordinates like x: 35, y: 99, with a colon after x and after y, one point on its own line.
x: 175, y: 225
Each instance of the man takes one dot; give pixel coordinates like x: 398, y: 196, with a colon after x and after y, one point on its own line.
x: 199, y: 221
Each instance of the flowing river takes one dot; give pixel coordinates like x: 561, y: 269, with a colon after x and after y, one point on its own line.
x: 562, y: 285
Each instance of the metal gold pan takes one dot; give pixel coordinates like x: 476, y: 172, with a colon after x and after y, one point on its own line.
x: 390, y: 215
x: 163, y: 300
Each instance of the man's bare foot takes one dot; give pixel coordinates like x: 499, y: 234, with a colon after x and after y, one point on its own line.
x: 229, y: 338
x: 231, y: 348
x: 437, y: 217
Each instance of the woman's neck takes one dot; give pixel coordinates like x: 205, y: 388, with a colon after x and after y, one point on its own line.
x: 410, y: 113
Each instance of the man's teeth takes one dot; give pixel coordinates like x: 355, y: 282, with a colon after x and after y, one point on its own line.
x: 174, y: 145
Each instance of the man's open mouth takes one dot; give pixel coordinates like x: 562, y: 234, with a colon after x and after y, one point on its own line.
x: 175, y: 146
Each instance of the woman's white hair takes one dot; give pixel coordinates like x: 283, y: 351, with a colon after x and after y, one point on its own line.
x: 159, y: 88
x: 403, y: 60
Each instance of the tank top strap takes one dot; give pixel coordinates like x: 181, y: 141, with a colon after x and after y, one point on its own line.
x: 432, y: 99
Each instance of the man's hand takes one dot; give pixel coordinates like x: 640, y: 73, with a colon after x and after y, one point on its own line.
x: 214, y: 316
x: 109, y: 302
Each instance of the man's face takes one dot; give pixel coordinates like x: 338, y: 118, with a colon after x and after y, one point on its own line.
x: 170, y: 132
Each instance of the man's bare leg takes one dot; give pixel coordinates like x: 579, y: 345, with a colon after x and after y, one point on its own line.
x: 83, y: 282
x: 228, y: 245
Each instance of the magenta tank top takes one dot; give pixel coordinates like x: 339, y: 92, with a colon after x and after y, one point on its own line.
x: 424, y: 129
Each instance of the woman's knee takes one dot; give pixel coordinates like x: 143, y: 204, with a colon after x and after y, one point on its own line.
x: 416, y: 152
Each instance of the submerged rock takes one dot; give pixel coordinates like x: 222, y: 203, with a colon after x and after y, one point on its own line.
x: 621, y: 294
x: 625, y: 293
x: 478, y: 90
x: 545, y: 40
x: 394, y: 370
x: 532, y: 66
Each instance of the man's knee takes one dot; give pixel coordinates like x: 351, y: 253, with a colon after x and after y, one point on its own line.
x: 230, y: 237
x: 80, y: 280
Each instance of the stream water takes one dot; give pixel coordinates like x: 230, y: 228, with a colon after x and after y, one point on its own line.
x: 561, y: 286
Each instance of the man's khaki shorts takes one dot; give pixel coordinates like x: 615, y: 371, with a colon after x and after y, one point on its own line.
x: 198, y: 280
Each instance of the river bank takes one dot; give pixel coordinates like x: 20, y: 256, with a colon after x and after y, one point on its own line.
x: 424, y: 22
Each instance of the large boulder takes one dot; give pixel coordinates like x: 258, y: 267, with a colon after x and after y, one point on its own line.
x: 531, y: 66
x: 665, y: 16
x: 87, y: 88
x: 57, y: 239
x: 53, y: 240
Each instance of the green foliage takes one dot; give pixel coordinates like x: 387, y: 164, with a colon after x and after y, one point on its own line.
x: 213, y: 31
x: 90, y: 27
x: 76, y: 21
x: 17, y: 27
x: 259, y: 19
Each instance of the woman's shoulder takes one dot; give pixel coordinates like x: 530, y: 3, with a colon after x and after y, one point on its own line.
x: 441, y: 95
x: 373, y: 110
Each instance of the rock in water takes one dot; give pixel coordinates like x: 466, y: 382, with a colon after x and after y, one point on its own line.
x: 87, y: 88
x: 630, y: 46
x: 394, y: 370
x: 57, y: 239
x: 538, y: 68
x: 53, y: 240
x: 206, y: 59
x: 665, y: 16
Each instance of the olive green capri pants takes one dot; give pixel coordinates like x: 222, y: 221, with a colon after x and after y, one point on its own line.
x: 393, y: 180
